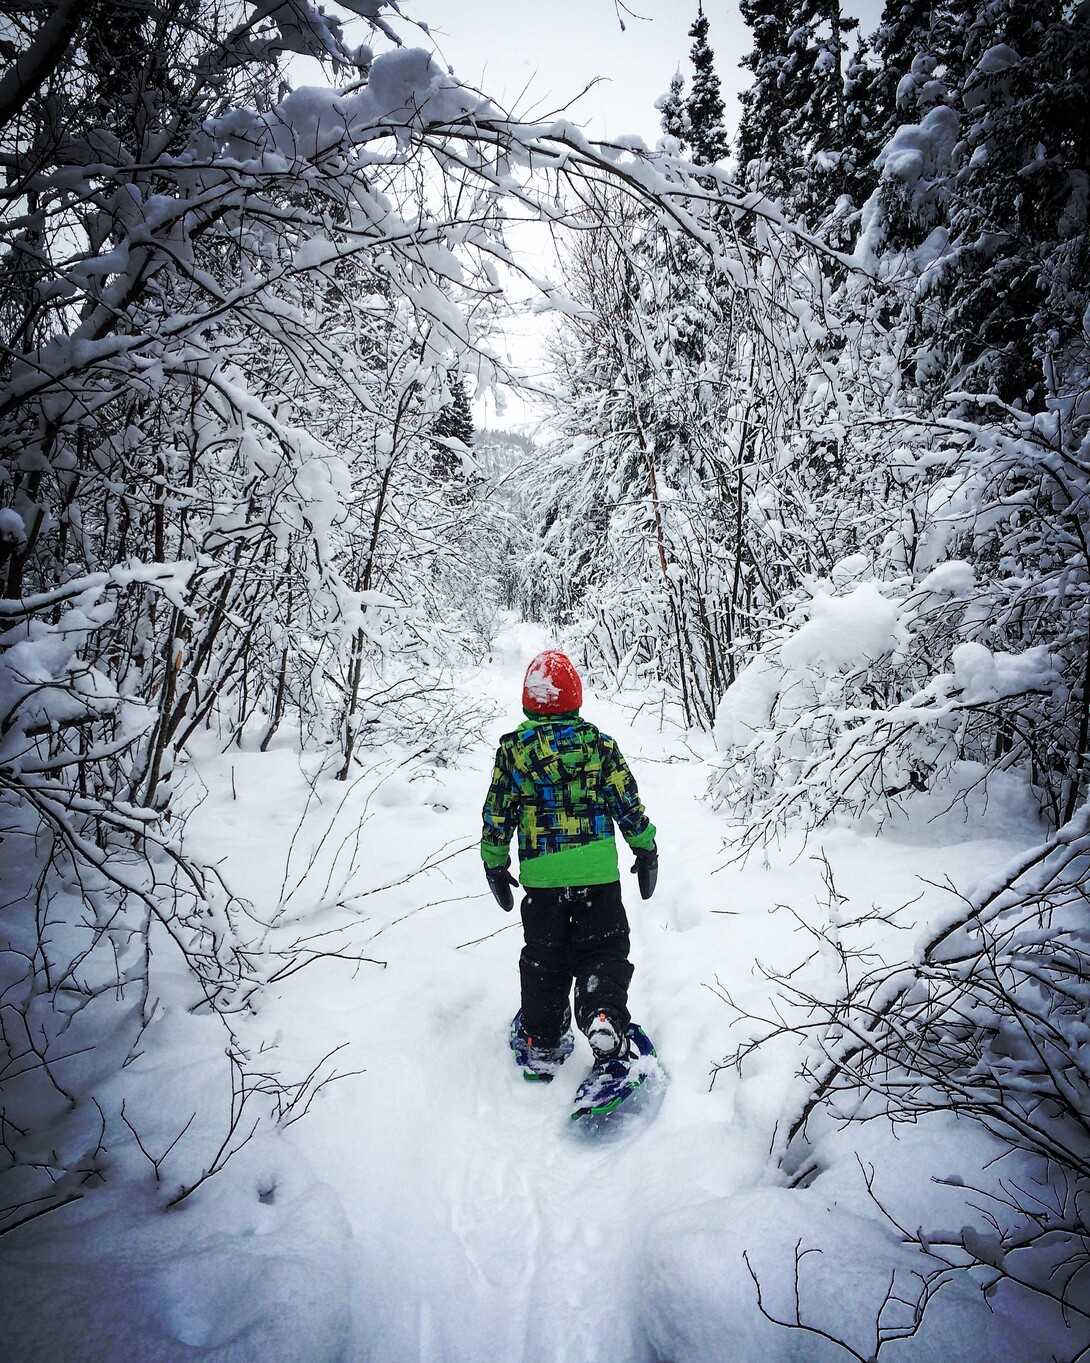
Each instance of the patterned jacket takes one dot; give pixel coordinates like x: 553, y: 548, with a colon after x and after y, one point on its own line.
x: 562, y: 784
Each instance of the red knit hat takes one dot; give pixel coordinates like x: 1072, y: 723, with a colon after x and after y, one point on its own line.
x: 552, y: 685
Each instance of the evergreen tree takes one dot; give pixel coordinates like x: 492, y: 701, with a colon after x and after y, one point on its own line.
x: 454, y: 421
x: 762, y: 158
x: 675, y: 119
x: 1019, y: 206
x: 863, y: 126
x: 902, y: 35
x: 792, y: 135
x: 826, y: 173
x: 993, y: 116
x: 704, y: 106
x: 952, y: 35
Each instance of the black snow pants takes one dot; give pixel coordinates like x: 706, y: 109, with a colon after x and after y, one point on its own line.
x: 576, y: 933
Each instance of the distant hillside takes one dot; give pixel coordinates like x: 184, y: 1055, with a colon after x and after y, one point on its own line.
x: 498, y: 451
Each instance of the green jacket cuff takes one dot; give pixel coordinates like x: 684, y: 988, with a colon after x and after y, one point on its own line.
x: 492, y: 855
x: 643, y: 842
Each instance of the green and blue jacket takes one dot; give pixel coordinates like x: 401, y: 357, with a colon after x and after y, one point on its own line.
x: 562, y: 785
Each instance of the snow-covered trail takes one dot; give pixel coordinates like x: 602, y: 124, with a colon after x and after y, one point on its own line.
x: 481, y: 1226
x: 431, y: 1206
x: 472, y: 1223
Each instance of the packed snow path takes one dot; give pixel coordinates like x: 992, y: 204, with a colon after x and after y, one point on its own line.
x: 433, y: 1206
x: 481, y: 1226
x: 484, y: 1228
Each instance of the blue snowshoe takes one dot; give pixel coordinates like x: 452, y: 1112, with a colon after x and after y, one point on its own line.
x: 539, y: 1064
x: 617, y: 1082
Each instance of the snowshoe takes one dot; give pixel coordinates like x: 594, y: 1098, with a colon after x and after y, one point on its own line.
x: 539, y: 1064
x: 614, y: 1081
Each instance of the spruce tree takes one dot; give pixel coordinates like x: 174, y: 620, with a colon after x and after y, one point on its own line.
x: 764, y: 103
x: 994, y: 96
x: 903, y: 33
x: 675, y: 120
x: 1019, y: 202
x: 863, y: 127
x: 793, y: 130
x: 453, y: 421
x: 704, y: 107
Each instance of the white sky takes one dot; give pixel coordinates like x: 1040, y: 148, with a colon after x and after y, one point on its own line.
x: 537, y: 57
x: 534, y: 57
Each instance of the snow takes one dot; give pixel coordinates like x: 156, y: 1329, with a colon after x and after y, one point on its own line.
x: 954, y: 576
x: 843, y: 631
x: 1000, y: 57
x: 975, y: 671
x: 347, y: 1166
x: 540, y: 687
x: 431, y: 1205
x: 11, y: 526
x: 916, y: 156
x: 747, y: 705
x: 984, y: 675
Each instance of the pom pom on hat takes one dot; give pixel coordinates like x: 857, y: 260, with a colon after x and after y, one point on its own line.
x: 552, y: 685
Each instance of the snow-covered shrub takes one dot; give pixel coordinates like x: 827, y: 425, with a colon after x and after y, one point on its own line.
x: 869, y: 698
x: 938, y: 670
x: 985, y: 1021
x: 930, y: 654
x: 96, y: 885
x: 953, y: 636
x: 228, y: 322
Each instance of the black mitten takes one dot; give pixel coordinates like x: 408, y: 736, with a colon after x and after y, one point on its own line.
x: 500, y: 881
x: 646, y: 869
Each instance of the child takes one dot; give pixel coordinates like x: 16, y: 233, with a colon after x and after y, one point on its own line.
x: 563, y: 784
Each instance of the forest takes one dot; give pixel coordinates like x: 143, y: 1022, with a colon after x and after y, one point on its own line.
x: 809, y: 501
